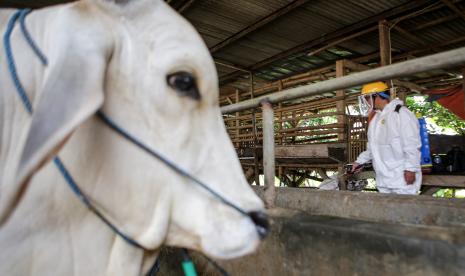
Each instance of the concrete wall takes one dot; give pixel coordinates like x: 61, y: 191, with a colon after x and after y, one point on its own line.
x: 302, y: 244
x: 348, y: 233
x: 373, y: 206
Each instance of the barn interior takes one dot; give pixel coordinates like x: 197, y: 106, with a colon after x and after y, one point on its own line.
x: 288, y: 145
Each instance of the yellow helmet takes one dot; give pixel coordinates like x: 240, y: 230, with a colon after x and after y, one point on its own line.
x: 374, y: 87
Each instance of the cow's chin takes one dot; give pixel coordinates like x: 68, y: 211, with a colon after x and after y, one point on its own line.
x: 237, y: 239
x: 225, y: 239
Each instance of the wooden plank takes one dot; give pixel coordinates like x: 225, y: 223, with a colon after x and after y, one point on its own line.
x: 451, y: 181
x: 303, y: 151
x: 299, y: 166
x: 320, y: 127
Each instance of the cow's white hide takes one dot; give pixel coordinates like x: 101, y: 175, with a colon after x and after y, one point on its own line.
x: 113, y: 55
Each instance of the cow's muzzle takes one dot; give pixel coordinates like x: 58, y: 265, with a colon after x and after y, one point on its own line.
x: 260, y: 219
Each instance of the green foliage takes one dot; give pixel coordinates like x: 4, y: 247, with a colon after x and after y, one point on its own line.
x: 449, y: 193
x: 332, y: 119
x: 311, y: 122
x: 436, y: 113
x: 318, y: 121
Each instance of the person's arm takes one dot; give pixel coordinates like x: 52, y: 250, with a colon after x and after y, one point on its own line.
x: 363, y: 158
x: 411, y: 144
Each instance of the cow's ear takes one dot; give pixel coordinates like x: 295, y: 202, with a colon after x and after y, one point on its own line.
x: 72, y: 92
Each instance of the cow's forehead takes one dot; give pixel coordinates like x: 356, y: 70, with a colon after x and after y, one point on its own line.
x: 172, y: 42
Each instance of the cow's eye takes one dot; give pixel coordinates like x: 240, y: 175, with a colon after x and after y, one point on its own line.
x: 184, y: 83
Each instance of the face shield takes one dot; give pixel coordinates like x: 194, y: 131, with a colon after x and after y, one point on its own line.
x: 365, y: 104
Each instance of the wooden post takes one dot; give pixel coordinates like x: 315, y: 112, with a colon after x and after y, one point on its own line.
x: 385, y: 54
x: 384, y: 42
x: 341, y: 107
x: 341, y: 104
x: 268, y: 153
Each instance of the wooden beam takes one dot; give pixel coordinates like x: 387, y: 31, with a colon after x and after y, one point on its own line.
x: 230, y: 65
x: 260, y: 23
x: 410, y: 36
x: 452, y: 181
x: 313, y: 178
x: 410, y: 85
x: 185, y: 6
x: 454, y: 8
x: 322, y: 173
x: 384, y: 42
x: 341, y: 40
x: 434, y: 22
x: 429, y: 49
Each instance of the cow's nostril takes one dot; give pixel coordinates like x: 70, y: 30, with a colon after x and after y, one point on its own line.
x: 260, y: 219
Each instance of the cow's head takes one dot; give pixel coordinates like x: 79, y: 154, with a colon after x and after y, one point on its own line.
x: 147, y: 69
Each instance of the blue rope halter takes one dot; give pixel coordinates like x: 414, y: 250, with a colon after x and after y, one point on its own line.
x: 21, y: 15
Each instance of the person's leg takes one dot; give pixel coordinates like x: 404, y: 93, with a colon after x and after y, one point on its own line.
x: 407, y: 190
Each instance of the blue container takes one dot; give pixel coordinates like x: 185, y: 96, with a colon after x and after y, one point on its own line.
x: 426, y: 162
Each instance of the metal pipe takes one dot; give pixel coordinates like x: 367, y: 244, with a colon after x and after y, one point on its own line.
x: 268, y: 153
x: 442, y: 60
x: 254, y: 131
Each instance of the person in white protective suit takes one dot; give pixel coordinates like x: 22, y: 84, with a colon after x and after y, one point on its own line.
x: 393, y: 141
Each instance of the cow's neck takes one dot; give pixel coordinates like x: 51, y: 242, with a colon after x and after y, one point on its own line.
x: 51, y: 229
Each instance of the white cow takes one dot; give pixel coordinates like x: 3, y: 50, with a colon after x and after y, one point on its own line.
x: 147, y: 69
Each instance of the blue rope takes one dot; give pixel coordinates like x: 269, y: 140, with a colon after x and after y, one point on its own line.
x: 167, y: 162
x: 85, y: 200
x: 28, y: 37
x: 11, y: 63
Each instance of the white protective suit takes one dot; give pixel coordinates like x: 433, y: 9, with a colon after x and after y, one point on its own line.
x: 394, y: 147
